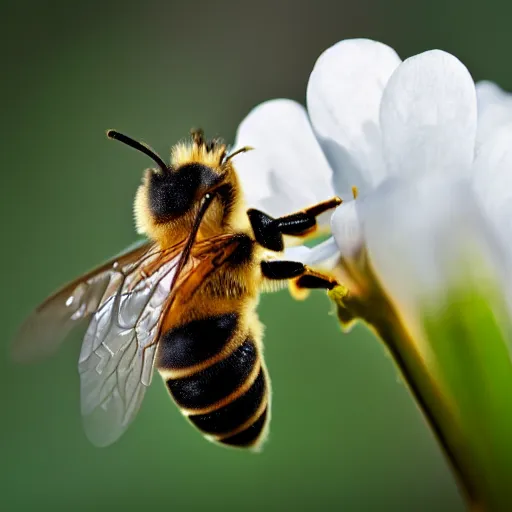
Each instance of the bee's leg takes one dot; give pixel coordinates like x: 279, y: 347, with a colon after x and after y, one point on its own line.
x: 303, y: 276
x: 269, y: 231
x: 303, y: 223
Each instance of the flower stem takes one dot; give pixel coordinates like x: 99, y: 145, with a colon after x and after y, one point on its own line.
x: 463, y: 390
x: 381, y: 316
x: 424, y: 390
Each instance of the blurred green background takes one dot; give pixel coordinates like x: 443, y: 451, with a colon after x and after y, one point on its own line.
x: 345, y: 434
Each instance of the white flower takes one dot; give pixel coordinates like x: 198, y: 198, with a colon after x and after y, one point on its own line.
x: 494, y: 110
x: 426, y: 247
x: 373, y: 122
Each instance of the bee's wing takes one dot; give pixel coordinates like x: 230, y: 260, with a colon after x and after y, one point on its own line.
x: 46, y: 328
x: 118, y: 352
x: 125, y: 298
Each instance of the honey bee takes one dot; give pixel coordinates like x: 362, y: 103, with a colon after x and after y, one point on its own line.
x: 183, y: 301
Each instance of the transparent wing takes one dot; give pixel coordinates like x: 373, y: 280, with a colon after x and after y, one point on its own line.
x: 48, y: 326
x: 117, y: 357
x: 124, y: 299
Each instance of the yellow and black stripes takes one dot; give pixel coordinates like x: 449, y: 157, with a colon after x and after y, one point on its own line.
x: 188, y: 348
x: 250, y: 435
x: 214, y: 372
x: 211, y: 385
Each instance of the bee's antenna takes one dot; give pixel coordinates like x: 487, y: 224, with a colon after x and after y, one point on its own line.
x: 140, y: 146
x: 238, y: 151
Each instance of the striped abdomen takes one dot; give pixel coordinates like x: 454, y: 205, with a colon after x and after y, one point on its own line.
x: 216, y: 375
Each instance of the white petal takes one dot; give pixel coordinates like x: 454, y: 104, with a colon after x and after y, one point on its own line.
x: 287, y: 169
x: 347, y: 229
x: 494, y: 110
x: 421, y: 235
x: 299, y: 253
x: 343, y: 96
x: 493, y: 180
x: 488, y: 94
x: 428, y: 116
x: 322, y: 256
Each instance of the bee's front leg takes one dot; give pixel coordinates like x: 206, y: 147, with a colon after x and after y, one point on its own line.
x: 269, y: 231
x: 304, y: 276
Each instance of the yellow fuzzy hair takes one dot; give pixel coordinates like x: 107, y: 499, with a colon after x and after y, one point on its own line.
x: 186, y: 153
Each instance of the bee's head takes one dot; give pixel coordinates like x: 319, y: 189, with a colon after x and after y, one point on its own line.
x: 170, y: 195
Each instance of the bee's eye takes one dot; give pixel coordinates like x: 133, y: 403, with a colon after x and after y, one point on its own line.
x: 173, y: 193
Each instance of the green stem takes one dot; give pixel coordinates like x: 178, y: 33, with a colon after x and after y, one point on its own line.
x: 378, y: 312
x: 464, y: 390
x: 469, y: 335
x: 455, y: 358
x: 423, y: 389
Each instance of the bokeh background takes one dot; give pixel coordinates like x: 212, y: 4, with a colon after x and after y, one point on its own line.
x: 345, y: 434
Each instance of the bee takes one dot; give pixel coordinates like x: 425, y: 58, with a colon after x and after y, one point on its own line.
x: 183, y: 300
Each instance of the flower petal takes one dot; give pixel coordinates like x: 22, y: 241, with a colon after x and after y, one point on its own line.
x: 418, y: 245
x: 494, y: 110
x: 347, y: 229
x: 344, y: 94
x: 322, y: 256
x: 428, y: 116
x: 287, y: 170
x: 493, y: 180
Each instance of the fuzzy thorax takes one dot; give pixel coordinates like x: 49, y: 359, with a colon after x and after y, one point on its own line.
x: 227, y: 212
